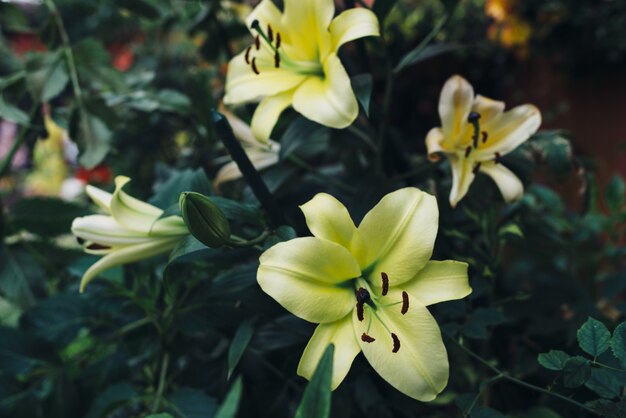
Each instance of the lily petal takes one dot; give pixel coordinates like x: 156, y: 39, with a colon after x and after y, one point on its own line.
x: 307, y: 22
x: 306, y: 276
x: 259, y: 159
x: 267, y: 113
x: 341, y: 334
x: 462, y: 177
x: 266, y: 13
x: 419, y: 367
x: 244, y: 85
x: 439, y: 281
x: 100, y: 198
x: 455, y: 104
x: 400, y: 234
x: 328, y: 219
x: 353, y: 24
x: 509, y: 184
x: 434, y: 142
x: 125, y: 255
x: 488, y: 108
x: 130, y: 212
x: 329, y: 101
x: 105, y: 231
x: 510, y: 130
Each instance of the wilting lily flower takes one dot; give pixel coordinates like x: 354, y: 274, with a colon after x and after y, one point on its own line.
x: 475, y: 133
x: 293, y: 61
x: 261, y: 155
x: 130, y: 230
x: 368, y: 288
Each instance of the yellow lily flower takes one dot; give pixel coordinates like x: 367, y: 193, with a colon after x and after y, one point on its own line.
x: 293, y: 61
x: 261, y: 155
x: 368, y: 288
x: 475, y: 133
x: 130, y: 231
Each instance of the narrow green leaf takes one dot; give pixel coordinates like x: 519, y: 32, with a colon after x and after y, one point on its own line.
x: 593, y: 337
x: 618, y: 343
x: 193, y: 403
x: 95, y: 137
x: 382, y: 8
x: 413, y: 56
x: 229, y: 407
x: 240, y: 342
x: 12, y: 113
x: 362, y: 85
x: 317, y: 395
x: 304, y: 139
x: 46, y: 75
x: 576, y: 372
x: 553, y: 360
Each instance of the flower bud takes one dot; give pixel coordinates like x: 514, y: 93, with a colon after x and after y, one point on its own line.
x: 205, y: 220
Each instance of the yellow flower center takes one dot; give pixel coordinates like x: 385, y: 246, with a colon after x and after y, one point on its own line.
x: 478, y: 138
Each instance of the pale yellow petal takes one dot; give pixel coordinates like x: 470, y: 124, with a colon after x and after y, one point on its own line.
x: 310, y: 278
x: 128, y: 254
x: 509, y: 130
x: 487, y: 108
x: 266, y: 13
x: 329, y: 101
x: 509, y: 184
x: 439, y: 281
x: 434, y: 144
x: 259, y: 159
x: 267, y: 113
x: 353, y: 24
x: 462, y: 177
x: 130, y: 212
x: 400, y: 233
x: 339, y: 333
x: 99, y: 197
x: 307, y: 22
x: 455, y: 104
x: 105, y: 231
x: 328, y: 219
x: 419, y: 367
x: 244, y: 85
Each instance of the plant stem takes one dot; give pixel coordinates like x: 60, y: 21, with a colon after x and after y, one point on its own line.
x: 363, y: 136
x: 303, y: 164
x: 225, y: 133
x: 161, y: 388
x: 382, y: 130
x: 236, y: 241
x: 506, y: 376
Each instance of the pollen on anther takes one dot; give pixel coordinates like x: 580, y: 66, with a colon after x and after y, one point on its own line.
x: 254, y: 68
x: 485, y: 136
x: 476, y: 168
x: 396, y: 343
x: 276, y: 59
x: 366, y: 338
x: 255, y: 24
x: 257, y: 42
x: 405, y: 303
x: 468, y: 150
x: 359, y: 311
x: 247, y: 55
x: 277, y: 40
x: 385, y: 280
x: 270, y: 33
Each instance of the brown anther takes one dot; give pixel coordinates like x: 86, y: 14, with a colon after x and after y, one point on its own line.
x: 396, y: 343
x: 256, y: 70
x: 257, y: 42
x: 385, y: 280
x: 359, y: 311
x: 485, y: 136
x: 277, y: 40
x: 270, y: 33
x: 247, y: 55
x: 468, y: 150
x: 276, y: 59
x: 405, y: 303
x: 476, y: 168
x: 255, y: 24
x: 367, y: 339
x: 497, y: 158
x: 362, y: 295
x: 97, y: 247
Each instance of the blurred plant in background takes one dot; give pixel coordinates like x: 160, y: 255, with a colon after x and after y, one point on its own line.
x: 93, y: 90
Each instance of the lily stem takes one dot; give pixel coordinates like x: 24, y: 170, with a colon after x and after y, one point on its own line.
x: 225, y: 133
x: 504, y: 375
x: 236, y: 241
x: 161, y: 388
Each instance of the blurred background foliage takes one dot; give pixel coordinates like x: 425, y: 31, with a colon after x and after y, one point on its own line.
x: 89, y: 90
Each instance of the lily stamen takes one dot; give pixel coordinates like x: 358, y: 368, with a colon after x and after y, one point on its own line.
x: 405, y: 303
x: 366, y: 338
x: 396, y: 343
x: 254, y: 68
x: 476, y: 167
x: 468, y: 150
x: 485, y: 136
x: 385, y: 280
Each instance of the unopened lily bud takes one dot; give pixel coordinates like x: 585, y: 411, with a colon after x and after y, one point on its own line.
x: 205, y: 220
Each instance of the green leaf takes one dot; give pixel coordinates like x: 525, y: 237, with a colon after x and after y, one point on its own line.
x: 536, y: 412
x: 21, y: 352
x: 228, y: 408
x: 593, y: 337
x: 188, y: 248
x: 94, y: 138
x: 553, y: 360
x: 16, y: 271
x: 615, y: 194
x: 317, y: 395
x: 193, y: 403
x: 426, y: 53
x: 12, y: 18
x: 480, y: 320
x: 240, y: 342
x: 415, y: 55
x: 382, y: 8
x: 168, y: 190
x: 110, y: 398
x: 46, y: 75
x: 12, y: 113
x: 362, y: 85
x: 140, y: 8
x: 485, y: 412
x: 618, y: 343
x: 555, y: 150
x: 604, y: 383
x: 510, y: 229
x: 164, y: 415
x: 44, y: 216
x: 576, y: 372
x: 173, y: 101
x: 304, y: 139
x: 57, y: 319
